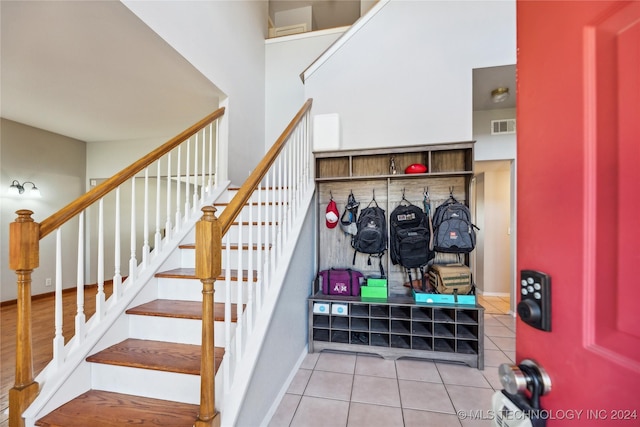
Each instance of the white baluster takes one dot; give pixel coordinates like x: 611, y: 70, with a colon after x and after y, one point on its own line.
x: 210, y: 182
x: 290, y: 158
x: 195, y: 175
x: 227, y: 315
x: 145, y: 226
x: 261, y: 250
x: 203, y: 185
x: 250, y: 281
x: 158, y: 236
x: 80, y: 316
x: 187, y: 204
x: 272, y: 225
x: 117, y: 275
x: 217, y: 168
x: 240, y: 293
x: 58, y: 340
x: 100, y: 296
x: 178, y: 187
x: 280, y: 206
x: 133, y: 262
x: 168, y: 226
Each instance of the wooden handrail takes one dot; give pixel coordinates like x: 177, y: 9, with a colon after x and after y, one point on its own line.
x: 96, y: 193
x: 244, y: 193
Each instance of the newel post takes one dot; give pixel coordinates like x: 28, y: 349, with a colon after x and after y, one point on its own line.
x: 208, y: 268
x: 24, y: 256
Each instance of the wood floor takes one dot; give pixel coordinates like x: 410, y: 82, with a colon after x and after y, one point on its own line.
x: 42, y: 336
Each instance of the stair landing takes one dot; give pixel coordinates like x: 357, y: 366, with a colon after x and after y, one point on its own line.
x: 106, y: 409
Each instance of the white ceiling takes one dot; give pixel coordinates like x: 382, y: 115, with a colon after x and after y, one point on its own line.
x: 93, y: 71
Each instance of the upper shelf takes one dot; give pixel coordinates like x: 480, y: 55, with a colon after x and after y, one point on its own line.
x: 440, y: 159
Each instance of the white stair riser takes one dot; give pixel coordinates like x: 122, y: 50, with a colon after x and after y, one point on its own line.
x: 146, y: 382
x: 191, y: 290
x: 184, y: 331
x: 189, y: 258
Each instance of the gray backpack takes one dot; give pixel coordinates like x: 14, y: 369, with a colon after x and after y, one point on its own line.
x: 453, y: 231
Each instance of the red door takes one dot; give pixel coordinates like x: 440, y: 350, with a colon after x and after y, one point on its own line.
x: 578, y: 207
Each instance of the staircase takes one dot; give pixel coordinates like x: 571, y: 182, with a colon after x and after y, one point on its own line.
x: 153, y: 376
x: 160, y: 350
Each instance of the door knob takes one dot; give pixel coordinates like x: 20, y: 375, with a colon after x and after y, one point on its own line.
x: 528, y: 375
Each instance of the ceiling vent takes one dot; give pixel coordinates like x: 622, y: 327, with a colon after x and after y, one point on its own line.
x: 501, y: 127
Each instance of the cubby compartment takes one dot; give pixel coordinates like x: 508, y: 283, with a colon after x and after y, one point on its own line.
x: 340, y: 322
x: 400, y: 326
x: 422, y: 313
x: 422, y: 328
x: 443, y: 315
x: 421, y: 343
x: 401, y: 341
x: 467, y: 316
x: 360, y: 338
x: 339, y: 336
x: 360, y: 324
x: 444, y: 330
x: 400, y: 312
x: 467, y: 347
x: 444, y: 344
x: 332, y: 167
x: 381, y: 340
x: 379, y: 325
x: 451, y: 161
x: 467, y: 332
x: 321, y: 321
x: 359, y: 310
x: 379, y: 311
x: 321, y: 335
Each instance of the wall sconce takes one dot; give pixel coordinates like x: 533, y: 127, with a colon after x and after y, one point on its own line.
x: 16, y: 189
x: 500, y: 94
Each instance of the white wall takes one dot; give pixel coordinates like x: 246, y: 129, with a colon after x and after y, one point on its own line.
x: 286, y: 58
x: 224, y: 40
x: 494, y: 239
x: 405, y: 78
x: 493, y: 147
x: 56, y: 164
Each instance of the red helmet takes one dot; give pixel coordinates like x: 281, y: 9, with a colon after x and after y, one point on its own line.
x: 416, y: 168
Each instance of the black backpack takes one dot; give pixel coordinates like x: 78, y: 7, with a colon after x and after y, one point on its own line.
x: 409, y: 229
x: 371, y: 236
x: 453, y: 231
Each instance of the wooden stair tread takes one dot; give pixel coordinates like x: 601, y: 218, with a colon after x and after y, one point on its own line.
x: 156, y: 355
x: 190, y: 273
x: 98, y: 408
x: 181, y: 310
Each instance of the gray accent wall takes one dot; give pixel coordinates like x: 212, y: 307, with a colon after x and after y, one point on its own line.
x: 56, y: 164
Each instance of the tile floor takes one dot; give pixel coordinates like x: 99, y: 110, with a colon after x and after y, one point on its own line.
x: 349, y: 389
